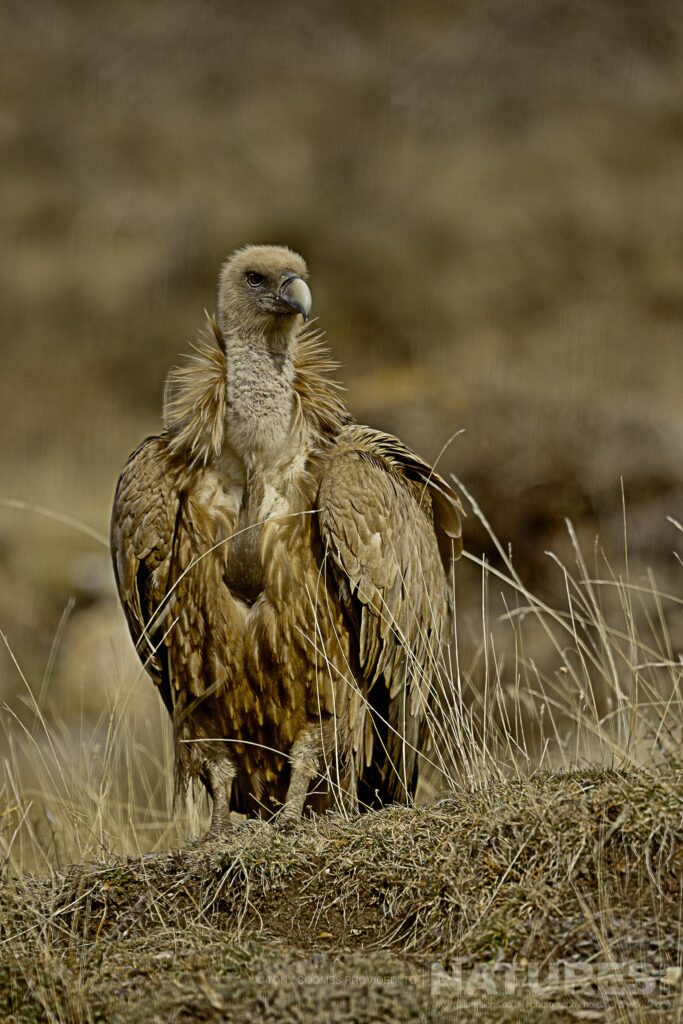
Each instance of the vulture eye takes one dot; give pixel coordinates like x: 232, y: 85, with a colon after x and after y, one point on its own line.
x: 254, y: 279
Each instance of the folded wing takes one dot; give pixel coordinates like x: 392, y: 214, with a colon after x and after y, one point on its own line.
x: 391, y: 527
x: 143, y: 526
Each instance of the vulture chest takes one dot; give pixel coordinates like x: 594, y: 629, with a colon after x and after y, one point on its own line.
x: 271, y: 532
x: 275, y: 614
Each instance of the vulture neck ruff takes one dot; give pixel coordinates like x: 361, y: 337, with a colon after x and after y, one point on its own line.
x: 196, y: 396
x: 260, y: 396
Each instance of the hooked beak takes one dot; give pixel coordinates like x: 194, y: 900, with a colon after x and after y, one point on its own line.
x: 296, y: 295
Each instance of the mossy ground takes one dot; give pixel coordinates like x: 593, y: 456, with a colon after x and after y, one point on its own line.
x: 374, y: 918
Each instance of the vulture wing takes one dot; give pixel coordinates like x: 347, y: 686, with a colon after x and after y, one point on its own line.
x: 391, y: 527
x: 142, y: 540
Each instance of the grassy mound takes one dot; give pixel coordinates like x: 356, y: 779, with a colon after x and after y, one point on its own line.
x: 378, y: 911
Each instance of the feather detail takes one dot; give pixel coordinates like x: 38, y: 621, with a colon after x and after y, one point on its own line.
x: 319, y: 396
x: 195, y: 398
x: 378, y: 447
x: 195, y: 395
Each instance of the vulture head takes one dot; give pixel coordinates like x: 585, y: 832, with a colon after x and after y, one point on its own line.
x: 262, y: 292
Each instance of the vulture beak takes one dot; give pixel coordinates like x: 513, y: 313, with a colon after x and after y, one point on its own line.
x: 296, y: 295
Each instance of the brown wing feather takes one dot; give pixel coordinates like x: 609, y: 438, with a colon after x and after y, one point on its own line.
x: 381, y: 510
x: 142, y: 532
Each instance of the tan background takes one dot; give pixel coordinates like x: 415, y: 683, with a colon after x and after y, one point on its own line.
x: 490, y: 199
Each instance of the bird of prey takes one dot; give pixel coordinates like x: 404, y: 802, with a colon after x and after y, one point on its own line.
x: 284, y: 571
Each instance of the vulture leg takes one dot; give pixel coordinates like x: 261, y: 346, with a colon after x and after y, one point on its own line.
x: 305, y: 758
x: 218, y: 782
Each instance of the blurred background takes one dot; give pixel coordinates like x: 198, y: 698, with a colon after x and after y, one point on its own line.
x: 489, y: 196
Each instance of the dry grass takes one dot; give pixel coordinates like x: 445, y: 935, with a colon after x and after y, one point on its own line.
x: 488, y: 206
x: 521, y: 855
x: 578, y: 867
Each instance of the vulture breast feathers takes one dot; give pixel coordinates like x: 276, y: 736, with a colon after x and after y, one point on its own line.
x: 283, y: 570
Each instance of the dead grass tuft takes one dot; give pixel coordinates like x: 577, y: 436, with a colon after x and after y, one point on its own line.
x: 561, y: 866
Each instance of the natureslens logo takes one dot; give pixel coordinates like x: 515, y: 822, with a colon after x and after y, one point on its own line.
x: 564, y: 979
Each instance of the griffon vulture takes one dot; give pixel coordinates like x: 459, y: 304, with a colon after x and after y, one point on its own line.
x: 284, y: 571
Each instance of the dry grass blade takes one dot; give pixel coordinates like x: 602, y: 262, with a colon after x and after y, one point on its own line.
x: 508, y: 862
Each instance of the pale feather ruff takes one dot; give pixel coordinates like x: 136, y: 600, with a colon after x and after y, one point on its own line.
x: 195, y: 395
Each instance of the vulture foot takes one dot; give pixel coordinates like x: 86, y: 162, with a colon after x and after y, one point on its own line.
x: 305, y: 757
x: 218, y: 781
